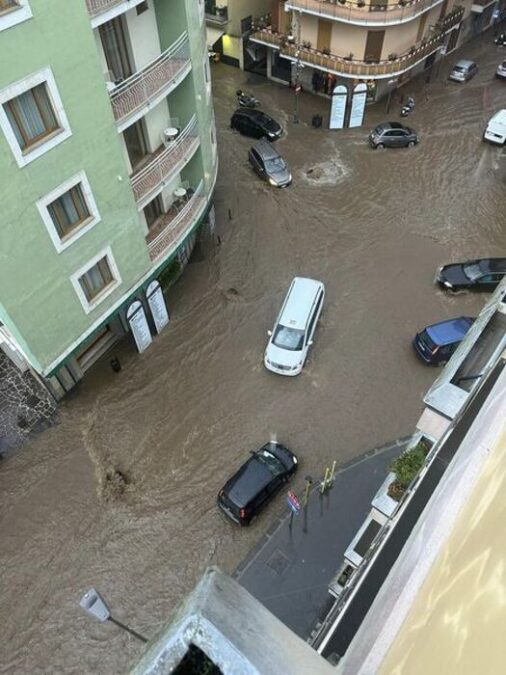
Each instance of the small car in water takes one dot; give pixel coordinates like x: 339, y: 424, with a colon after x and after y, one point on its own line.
x: 501, y: 71
x: 256, y: 482
x: 483, y: 274
x: 463, y: 70
x: 269, y: 164
x: 256, y: 124
x: 496, y: 129
x: 393, y: 135
x: 436, y: 343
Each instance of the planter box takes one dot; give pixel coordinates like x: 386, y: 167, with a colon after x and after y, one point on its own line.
x: 382, y: 501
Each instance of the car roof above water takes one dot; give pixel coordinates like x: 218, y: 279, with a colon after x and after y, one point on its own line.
x: 452, y: 330
x: 464, y: 63
x: 299, y: 301
x: 265, y: 149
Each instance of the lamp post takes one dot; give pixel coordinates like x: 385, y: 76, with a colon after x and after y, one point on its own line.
x: 391, y: 84
x: 94, y: 605
x: 297, y: 88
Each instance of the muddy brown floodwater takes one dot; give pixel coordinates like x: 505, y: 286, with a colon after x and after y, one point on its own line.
x: 121, y: 494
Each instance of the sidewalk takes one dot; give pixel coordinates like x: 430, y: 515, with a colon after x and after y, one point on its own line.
x: 289, y: 570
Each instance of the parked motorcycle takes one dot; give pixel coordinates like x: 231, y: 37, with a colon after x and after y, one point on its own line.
x: 500, y: 39
x: 408, y: 107
x: 246, y: 100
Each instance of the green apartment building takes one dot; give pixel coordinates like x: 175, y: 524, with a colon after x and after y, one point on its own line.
x: 108, y: 163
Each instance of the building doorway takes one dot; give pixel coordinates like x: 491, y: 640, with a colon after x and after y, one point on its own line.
x: 136, y: 145
x: 324, y: 35
x: 374, y: 45
x: 114, y: 44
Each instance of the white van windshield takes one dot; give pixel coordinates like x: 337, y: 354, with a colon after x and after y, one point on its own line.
x: 288, y: 338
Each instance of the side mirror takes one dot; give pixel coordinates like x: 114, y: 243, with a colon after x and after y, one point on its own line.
x: 309, y: 343
x: 269, y: 333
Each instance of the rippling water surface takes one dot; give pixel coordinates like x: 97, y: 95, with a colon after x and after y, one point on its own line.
x: 176, y: 421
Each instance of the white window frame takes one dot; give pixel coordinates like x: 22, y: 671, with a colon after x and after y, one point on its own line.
x: 89, y: 306
x: 201, y: 11
x: 43, y: 203
x: 44, y: 76
x: 11, y: 17
x: 207, y: 75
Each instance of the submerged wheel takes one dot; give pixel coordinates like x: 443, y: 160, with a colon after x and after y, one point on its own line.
x: 411, y: 144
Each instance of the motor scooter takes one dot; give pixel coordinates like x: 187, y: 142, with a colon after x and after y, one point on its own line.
x: 246, y: 100
x: 408, y: 107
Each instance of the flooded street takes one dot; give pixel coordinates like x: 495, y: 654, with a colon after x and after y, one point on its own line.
x: 178, y: 420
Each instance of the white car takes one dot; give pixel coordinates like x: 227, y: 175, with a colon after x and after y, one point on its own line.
x: 501, y: 71
x: 496, y: 128
x: 293, y: 331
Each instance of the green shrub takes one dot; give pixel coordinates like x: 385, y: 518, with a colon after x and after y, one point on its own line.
x: 407, y: 466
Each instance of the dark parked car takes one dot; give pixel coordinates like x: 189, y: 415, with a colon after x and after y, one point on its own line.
x: 483, y: 274
x: 256, y: 482
x: 269, y: 164
x: 255, y: 123
x: 393, y: 135
x: 436, y: 343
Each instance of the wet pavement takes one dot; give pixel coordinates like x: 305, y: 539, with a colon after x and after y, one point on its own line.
x: 179, y: 419
x: 291, y: 568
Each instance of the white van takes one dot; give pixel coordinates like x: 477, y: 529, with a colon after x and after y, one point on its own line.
x: 496, y: 128
x: 293, y: 331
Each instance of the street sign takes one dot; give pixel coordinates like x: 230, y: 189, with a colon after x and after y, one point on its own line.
x: 293, y: 502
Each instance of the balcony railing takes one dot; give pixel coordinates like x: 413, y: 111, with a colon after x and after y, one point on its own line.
x: 479, y: 6
x: 216, y: 15
x: 364, y: 13
x: 172, y: 227
x: 142, y: 87
x: 362, y: 69
x: 166, y: 161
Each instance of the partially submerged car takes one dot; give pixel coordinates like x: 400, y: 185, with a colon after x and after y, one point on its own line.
x: 436, y: 343
x: 480, y: 274
x: 393, y: 135
x: 256, y: 482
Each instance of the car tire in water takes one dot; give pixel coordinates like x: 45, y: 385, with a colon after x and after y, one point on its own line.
x: 380, y: 146
x: 411, y: 144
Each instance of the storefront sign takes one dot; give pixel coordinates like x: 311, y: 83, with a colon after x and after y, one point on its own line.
x: 157, y: 305
x: 338, y: 109
x: 136, y: 317
x: 358, y: 105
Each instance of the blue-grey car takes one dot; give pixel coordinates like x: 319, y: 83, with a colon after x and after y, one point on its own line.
x: 436, y: 343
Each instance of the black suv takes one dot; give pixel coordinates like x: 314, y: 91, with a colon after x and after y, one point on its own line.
x: 393, y: 135
x: 256, y: 482
x: 256, y: 124
x: 483, y: 274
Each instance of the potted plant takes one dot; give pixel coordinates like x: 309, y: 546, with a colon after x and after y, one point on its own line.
x: 406, y: 467
x: 361, y: 3
x: 342, y: 2
x: 326, y: 51
x: 349, y: 57
x: 403, y: 3
x: 392, y: 57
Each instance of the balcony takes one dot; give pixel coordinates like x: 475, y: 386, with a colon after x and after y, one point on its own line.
x: 136, y: 95
x: 101, y: 11
x: 352, y: 68
x: 166, y: 161
x: 479, y: 6
x: 365, y: 13
x: 216, y: 15
x: 170, y: 230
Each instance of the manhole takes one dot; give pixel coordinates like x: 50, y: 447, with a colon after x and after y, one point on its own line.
x: 278, y: 562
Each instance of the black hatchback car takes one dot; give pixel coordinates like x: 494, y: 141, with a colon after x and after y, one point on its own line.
x: 482, y: 275
x: 256, y: 482
x: 256, y: 124
x: 393, y: 135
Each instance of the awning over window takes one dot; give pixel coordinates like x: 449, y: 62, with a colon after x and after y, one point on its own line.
x: 213, y: 35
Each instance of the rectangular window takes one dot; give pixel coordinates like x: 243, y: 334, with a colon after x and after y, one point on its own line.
x: 69, y: 211
x: 143, y: 7
x: 96, y: 279
x: 31, y: 116
x: 7, y: 4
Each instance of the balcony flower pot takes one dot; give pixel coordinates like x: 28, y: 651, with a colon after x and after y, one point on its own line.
x: 392, y: 57
x: 403, y: 3
x: 342, y: 2
x: 349, y: 57
x: 360, y: 3
x: 406, y: 468
x: 412, y: 49
x: 326, y: 51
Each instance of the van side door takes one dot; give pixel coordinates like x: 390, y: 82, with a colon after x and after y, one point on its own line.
x: 314, y: 316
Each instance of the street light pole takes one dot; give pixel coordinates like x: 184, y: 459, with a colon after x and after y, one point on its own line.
x: 94, y: 605
x: 298, y: 66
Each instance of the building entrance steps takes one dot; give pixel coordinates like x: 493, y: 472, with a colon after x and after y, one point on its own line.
x: 289, y: 571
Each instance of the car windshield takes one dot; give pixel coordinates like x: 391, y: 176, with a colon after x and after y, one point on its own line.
x: 459, y: 69
x: 270, y: 461
x: 276, y: 164
x: 472, y: 271
x: 428, y: 341
x: 288, y: 338
x: 378, y: 131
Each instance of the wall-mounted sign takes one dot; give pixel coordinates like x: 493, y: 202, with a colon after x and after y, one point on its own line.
x: 358, y: 105
x: 136, y: 317
x: 157, y: 305
x: 338, y: 108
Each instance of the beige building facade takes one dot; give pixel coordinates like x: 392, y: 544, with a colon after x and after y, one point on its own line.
x: 324, y: 43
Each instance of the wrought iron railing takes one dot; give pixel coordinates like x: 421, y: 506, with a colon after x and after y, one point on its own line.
x: 135, y: 92
x: 362, y: 12
x: 362, y: 69
x: 96, y: 7
x: 168, y: 161
x: 176, y: 226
